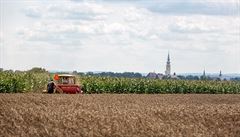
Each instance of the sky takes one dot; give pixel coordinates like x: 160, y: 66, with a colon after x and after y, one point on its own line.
x: 121, y: 35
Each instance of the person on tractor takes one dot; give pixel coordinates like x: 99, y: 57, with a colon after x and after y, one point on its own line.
x: 50, y: 86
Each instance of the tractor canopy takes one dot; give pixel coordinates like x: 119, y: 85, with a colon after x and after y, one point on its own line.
x: 66, y: 83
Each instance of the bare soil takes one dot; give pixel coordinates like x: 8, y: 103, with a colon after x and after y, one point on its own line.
x: 113, y: 115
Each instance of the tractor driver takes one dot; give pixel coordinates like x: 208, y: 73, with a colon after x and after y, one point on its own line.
x: 50, y: 86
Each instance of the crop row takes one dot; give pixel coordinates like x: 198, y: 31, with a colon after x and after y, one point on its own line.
x: 12, y: 82
x: 151, y: 86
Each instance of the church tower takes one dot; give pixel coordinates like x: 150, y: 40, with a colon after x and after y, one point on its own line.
x: 204, y: 73
x: 220, y: 74
x: 168, y: 66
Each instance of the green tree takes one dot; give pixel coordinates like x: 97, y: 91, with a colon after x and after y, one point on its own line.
x: 37, y: 70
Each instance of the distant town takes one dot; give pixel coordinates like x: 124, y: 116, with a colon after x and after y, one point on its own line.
x: 169, y: 75
x: 151, y: 75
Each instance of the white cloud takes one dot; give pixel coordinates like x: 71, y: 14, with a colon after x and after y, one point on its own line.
x: 1, y: 37
x: 75, y: 11
x: 119, y: 21
x: 101, y: 35
x: 34, y: 12
x: 222, y: 1
x: 193, y: 25
x: 128, y: 25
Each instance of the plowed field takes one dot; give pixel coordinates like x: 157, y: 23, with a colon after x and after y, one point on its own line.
x: 119, y: 115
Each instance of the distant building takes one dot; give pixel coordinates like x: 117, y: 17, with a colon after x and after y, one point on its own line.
x: 154, y: 75
x: 160, y: 76
x: 220, y: 74
x: 220, y: 77
x: 204, y: 73
x: 168, y: 66
x: 204, y: 77
x: 174, y: 76
x: 167, y: 74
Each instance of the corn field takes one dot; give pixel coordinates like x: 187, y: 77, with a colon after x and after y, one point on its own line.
x: 154, y: 86
x: 12, y: 82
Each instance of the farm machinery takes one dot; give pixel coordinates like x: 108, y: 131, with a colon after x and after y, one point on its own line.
x: 64, y: 83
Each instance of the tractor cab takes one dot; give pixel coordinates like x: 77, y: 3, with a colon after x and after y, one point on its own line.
x: 65, y: 83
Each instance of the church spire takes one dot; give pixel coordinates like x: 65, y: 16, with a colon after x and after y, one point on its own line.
x: 168, y: 59
x: 168, y: 66
x: 204, y: 73
x: 220, y: 74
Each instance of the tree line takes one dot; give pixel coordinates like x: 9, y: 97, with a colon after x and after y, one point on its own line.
x: 119, y: 75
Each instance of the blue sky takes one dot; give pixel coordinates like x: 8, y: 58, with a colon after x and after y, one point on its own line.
x: 114, y: 35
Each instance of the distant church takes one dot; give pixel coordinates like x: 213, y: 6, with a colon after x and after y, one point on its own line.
x: 168, y: 75
x: 167, y: 71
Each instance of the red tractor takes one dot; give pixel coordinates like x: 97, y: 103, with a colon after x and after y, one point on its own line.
x: 64, y: 83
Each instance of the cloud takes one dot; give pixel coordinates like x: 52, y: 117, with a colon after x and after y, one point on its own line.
x: 82, y: 23
x: 184, y: 7
x: 34, y: 12
x: 100, y: 9
x: 120, y: 22
x: 53, y: 33
x: 102, y: 34
x: 1, y: 37
x: 197, y: 24
x: 200, y: 8
x: 84, y: 11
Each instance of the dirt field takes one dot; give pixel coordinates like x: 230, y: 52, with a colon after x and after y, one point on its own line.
x: 119, y: 115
